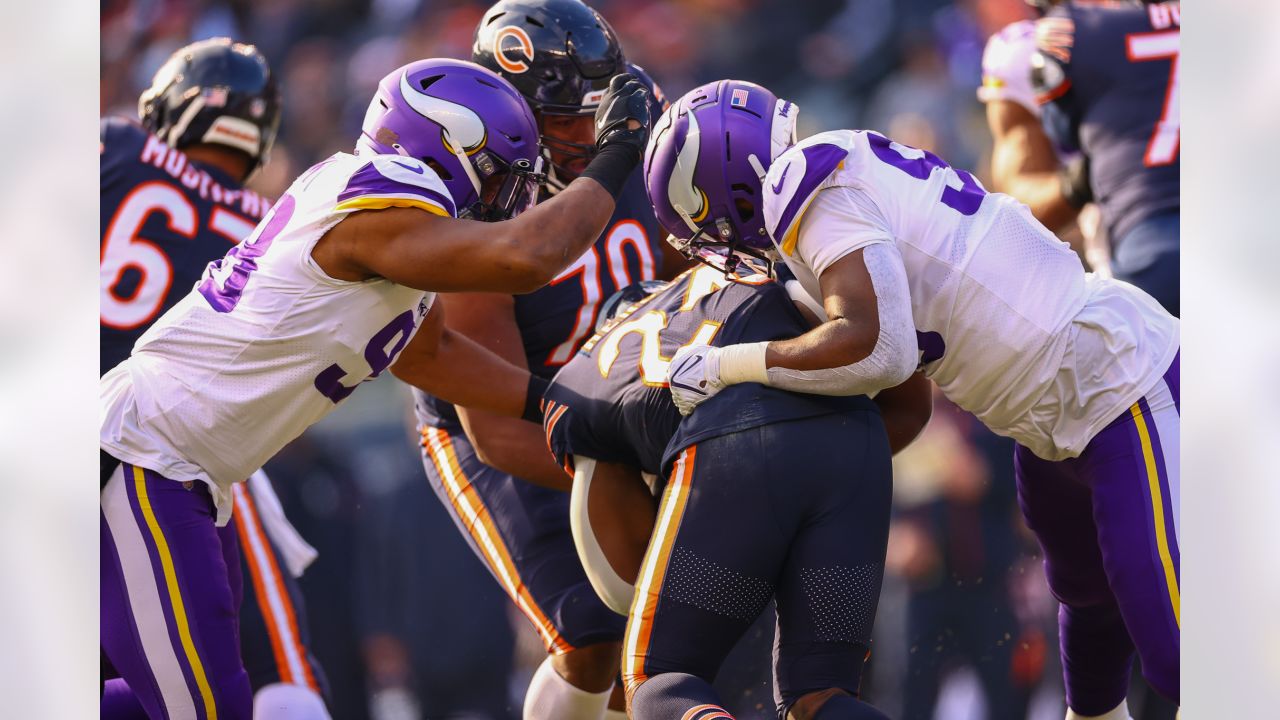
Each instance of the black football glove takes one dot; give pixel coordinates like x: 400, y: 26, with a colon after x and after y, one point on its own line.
x: 1074, y: 180
x: 626, y: 99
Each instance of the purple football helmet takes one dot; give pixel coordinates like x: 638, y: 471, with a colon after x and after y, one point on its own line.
x: 705, y: 166
x: 466, y: 123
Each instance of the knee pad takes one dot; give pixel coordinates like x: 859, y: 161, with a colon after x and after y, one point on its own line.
x: 280, y: 701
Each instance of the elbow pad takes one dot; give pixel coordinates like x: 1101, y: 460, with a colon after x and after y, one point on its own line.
x: 895, y: 355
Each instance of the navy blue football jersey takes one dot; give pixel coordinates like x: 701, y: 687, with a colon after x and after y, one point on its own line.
x: 555, y: 320
x: 1106, y: 75
x: 164, y: 218
x: 612, y: 403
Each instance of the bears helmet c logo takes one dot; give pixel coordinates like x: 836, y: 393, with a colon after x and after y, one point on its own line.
x: 524, y: 47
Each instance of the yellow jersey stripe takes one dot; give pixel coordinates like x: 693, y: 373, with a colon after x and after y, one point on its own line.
x: 175, y: 597
x: 1157, y: 508
x: 381, y: 203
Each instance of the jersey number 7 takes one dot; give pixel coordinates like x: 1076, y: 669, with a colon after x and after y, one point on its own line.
x: 1162, y: 148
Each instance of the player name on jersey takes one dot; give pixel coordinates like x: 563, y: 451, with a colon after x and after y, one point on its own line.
x: 175, y: 163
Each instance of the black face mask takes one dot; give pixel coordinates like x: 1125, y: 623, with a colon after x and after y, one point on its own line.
x: 517, y: 193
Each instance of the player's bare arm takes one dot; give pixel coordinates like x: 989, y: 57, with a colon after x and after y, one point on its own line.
x: 450, y: 366
x: 420, y: 249
x: 513, y: 446
x: 906, y: 410
x: 852, y: 327
x: 1025, y: 165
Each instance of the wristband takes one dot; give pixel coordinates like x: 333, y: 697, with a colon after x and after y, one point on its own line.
x: 612, y: 166
x: 744, y: 363
x: 533, y: 399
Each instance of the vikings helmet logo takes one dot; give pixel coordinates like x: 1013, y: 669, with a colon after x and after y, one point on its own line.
x: 684, y: 196
x: 463, y: 129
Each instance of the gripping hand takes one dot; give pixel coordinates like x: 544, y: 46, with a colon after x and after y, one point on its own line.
x: 627, y: 99
x: 694, y: 376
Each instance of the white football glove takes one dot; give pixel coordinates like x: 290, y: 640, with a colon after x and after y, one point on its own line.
x: 694, y: 376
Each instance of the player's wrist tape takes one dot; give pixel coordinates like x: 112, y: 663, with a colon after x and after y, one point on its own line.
x: 612, y: 166
x: 744, y: 363
x: 533, y: 399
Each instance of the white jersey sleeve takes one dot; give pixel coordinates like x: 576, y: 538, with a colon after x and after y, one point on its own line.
x: 841, y: 220
x: 1006, y: 66
x: 267, y: 343
x: 1004, y: 318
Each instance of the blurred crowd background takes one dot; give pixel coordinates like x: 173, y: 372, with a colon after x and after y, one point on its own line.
x: 406, y: 621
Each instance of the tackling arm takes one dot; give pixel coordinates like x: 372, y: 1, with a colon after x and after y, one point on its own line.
x: 513, y: 446
x: 450, y: 366
x: 419, y: 249
x: 867, y: 344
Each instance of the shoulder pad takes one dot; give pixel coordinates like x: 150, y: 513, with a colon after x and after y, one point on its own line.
x: 794, y: 178
x: 384, y: 181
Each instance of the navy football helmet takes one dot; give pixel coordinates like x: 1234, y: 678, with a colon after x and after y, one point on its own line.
x: 560, y: 55
x: 214, y: 91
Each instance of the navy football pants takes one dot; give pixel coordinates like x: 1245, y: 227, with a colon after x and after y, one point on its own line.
x: 796, y: 510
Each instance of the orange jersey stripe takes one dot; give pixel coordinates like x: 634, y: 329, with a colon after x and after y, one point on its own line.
x: 246, y: 515
x: 653, y: 570
x: 468, y: 505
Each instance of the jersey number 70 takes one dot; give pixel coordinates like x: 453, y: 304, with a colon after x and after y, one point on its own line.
x: 1162, y: 148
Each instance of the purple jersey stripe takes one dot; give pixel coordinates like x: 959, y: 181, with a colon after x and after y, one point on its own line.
x: 820, y: 161
x: 368, y: 181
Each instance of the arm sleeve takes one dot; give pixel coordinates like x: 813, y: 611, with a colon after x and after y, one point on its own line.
x: 895, y: 355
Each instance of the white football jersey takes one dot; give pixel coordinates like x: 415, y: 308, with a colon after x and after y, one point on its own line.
x: 1009, y: 325
x: 1006, y: 66
x: 267, y: 344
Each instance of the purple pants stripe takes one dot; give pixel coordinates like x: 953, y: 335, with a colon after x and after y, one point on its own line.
x: 1161, y: 500
x: 1107, y: 522
x: 169, y: 604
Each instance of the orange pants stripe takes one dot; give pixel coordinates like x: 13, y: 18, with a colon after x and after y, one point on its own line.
x: 468, y: 505
x: 653, y: 571
x: 273, y: 597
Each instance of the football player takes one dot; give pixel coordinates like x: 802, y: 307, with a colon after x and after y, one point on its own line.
x: 917, y: 265
x: 333, y: 287
x: 172, y: 200
x: 492, y: 473
x: 1106, y: 78
x: 806, y: 476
